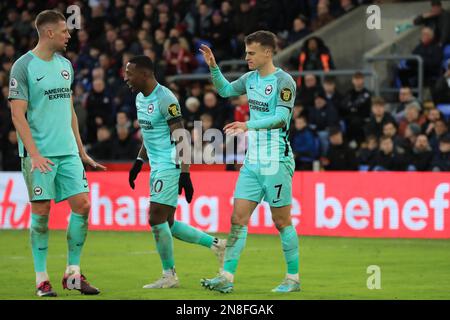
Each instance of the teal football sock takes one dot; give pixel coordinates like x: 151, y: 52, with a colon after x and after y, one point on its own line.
x: 164, y: 244
x: 235, y: 245
x: 76, y: 236
x: 185, y: 232
x: 289, y: 242
x: 39, y: 241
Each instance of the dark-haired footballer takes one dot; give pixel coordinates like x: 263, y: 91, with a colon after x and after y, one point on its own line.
x: 159, y: 115
x: 269, y: 163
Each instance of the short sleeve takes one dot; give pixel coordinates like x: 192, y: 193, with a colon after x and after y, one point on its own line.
x: 286, y: 92
x: 72, y: 73
x: 18, y: 82
x: 169, y: 107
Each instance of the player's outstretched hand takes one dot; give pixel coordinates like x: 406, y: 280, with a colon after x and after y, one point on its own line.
x: 235, y: 128
x: 134, y: 171
x: 186, y: 184
x: 41, y: 163
x: 208, y: 55
x: 91, y: 162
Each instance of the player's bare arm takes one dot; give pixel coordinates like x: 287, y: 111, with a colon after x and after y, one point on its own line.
x: 85, y: 158
x: 18, y: 111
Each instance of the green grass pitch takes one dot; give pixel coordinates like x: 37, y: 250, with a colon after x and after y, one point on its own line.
x: 120, y: 263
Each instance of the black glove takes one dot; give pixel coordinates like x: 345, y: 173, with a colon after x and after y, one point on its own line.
x: 137, y: 166
x: 186, y: 184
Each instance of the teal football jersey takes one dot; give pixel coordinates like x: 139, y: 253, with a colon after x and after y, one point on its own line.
x: 154, y: 112
x: 45, y: 85
x: 265, y: 95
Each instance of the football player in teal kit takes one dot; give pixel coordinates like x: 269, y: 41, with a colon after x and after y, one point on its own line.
x: 271, y: 94
x: 50, y: 148
x: 159, y: 115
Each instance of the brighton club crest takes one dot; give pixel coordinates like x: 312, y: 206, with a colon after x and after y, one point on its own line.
x: 269, y: 89
x: 65, y: 74
x: 150, y: 108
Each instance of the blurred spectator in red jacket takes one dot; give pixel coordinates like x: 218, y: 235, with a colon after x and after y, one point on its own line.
x: 178, y: 59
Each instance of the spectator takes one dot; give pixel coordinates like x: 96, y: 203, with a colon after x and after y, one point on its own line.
x: 196, y: 90
x: 323, y: 16
x: 378, y: 118
x: 405, y: 96
x: 164, y: 22
x: 308, y: 91
x: 314, y: 55
x: 149, y: 14
x: 305, y: 145
x: 441, y: 90
x: 441, y: 160
x: 124, y: 147
x: 10, y: 153
x: 421, y: 155
x: 356, y: 108
x: 321, y: 117
x: 103, y: 148
x: 412, y: 115
x: 387, y: 157
x: 217, y: 110
x: 158, y: 44
x: 99, y: 109
x: 241, y: 109
x: 411, y: 133
x: 192, y: 112
x: 345, y: 7
x: 299, y: 30
x: 339, y: 156
x: 333, y: 96
x: 219, y: 36
x: 366, y: 154
x: 440, y: 129
x: 86, y: 63
x: 178, y: 59
x: 438, y: 19
x: 390, y: 130
x: 431, y: 53
x: 123, y: 120
x: 203, y: 20
x: 432, y: 116
x: 245, y: 20
x: 226, y: 10
x: 207, y: 121
x: 109, y: 70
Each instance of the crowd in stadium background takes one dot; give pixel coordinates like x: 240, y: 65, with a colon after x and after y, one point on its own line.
x: 351, y: 130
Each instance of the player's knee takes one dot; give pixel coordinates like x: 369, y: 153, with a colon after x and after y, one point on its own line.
x: 83, y: 207
x: 281, y: 222
x: 40, y: 207
x: 238, y: 220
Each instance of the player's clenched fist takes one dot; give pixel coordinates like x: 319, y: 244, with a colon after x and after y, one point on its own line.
x: 208, y: 56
